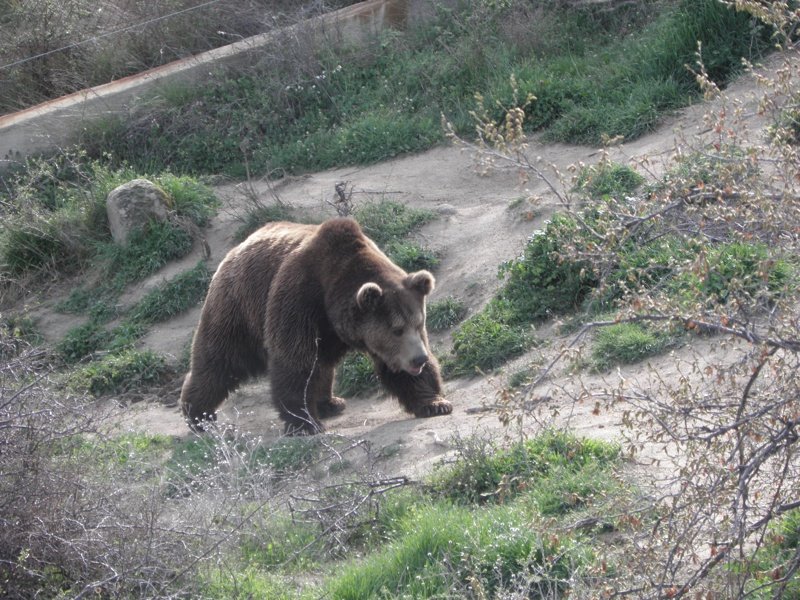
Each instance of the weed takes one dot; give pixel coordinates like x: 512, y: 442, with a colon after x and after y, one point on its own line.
x: 445, y: 313
x: 744, y: 270
x: 117, y: 373
x: 189, y: 197
x: 777, y: 554
x: 292, y: 454
x: 248, y: 582
x: 19, y: 327
x: 355, y: 375
x: 148, y: 250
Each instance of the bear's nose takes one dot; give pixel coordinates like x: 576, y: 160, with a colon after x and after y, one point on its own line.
x: 419, y: 361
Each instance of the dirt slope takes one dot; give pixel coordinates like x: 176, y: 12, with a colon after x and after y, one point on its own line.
x: 477, y: 229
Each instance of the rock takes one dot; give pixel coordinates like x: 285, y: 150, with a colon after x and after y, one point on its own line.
x: 132, y: 205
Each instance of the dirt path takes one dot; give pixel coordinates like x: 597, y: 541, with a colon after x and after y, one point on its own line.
x: 479, y: 226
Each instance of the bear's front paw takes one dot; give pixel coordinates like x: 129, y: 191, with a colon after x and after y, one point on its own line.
x: 332, y: 407
x: 434, y: 409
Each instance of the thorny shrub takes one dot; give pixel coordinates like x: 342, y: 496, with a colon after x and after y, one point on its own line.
x: 724, y: 420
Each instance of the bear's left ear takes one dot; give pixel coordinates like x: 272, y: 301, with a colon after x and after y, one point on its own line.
x: 421, y: 281
x: 368, y: 296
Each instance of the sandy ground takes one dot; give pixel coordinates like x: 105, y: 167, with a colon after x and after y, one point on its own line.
x: 481, y: 223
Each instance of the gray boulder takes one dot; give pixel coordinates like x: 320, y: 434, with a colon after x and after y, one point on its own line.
x: 132, y: 205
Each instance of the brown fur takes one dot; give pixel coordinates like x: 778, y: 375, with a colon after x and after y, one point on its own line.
x: 292, y: 300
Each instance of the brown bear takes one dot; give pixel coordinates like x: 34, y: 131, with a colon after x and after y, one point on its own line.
x: 291, y: 301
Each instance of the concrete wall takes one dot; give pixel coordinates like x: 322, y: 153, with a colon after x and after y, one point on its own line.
x: 54, y: 124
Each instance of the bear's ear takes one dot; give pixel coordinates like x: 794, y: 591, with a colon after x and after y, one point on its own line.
x: 368, y: 296
x: 421, y: 281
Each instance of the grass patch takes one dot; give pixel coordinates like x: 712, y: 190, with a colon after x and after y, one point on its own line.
x: 474, y: 530
x: 173, y: 297
x: 777, y: 553
x: 556, y: 468
x: 54, y: 214
x: 118, y: 373
x: 484, y: 342
x: 609, y: 179
x: 540, y: 283
x: 412, y: 257
x: 445, y: 313
x: 624, y: 344
x: 148, y: 250
x: 388, y: 222
x: 355, y: 375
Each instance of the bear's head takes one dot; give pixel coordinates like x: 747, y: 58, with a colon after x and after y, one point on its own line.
x: 392, y: 321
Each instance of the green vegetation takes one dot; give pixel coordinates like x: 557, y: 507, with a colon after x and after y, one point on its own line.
x: 484, y: 342
x: 54, y: 217
x: 593, y: 71
x: 538, y: 285
x: 120, y: 372
x: 771, y: 562
x: 355, y: 375
x: 260, y: 215
x: 485, y: 473
x: 386, y: 222
x: 608, y: 179
x: 412, y: 257
x: 172, y: 297
x: 625, y: 343
x: 475, y: 532
x: 445, y: 313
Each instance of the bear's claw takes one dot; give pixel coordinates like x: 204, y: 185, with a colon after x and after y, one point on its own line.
x: 434, y: 409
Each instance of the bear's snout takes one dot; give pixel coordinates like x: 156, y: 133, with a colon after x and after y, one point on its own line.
x: 417, y: 364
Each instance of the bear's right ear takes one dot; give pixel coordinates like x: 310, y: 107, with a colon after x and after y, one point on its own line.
x: 368, y: 296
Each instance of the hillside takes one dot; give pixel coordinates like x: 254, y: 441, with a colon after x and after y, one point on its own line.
x: 478, y: 226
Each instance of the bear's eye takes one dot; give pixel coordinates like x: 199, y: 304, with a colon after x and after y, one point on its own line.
x: 397, y: 331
